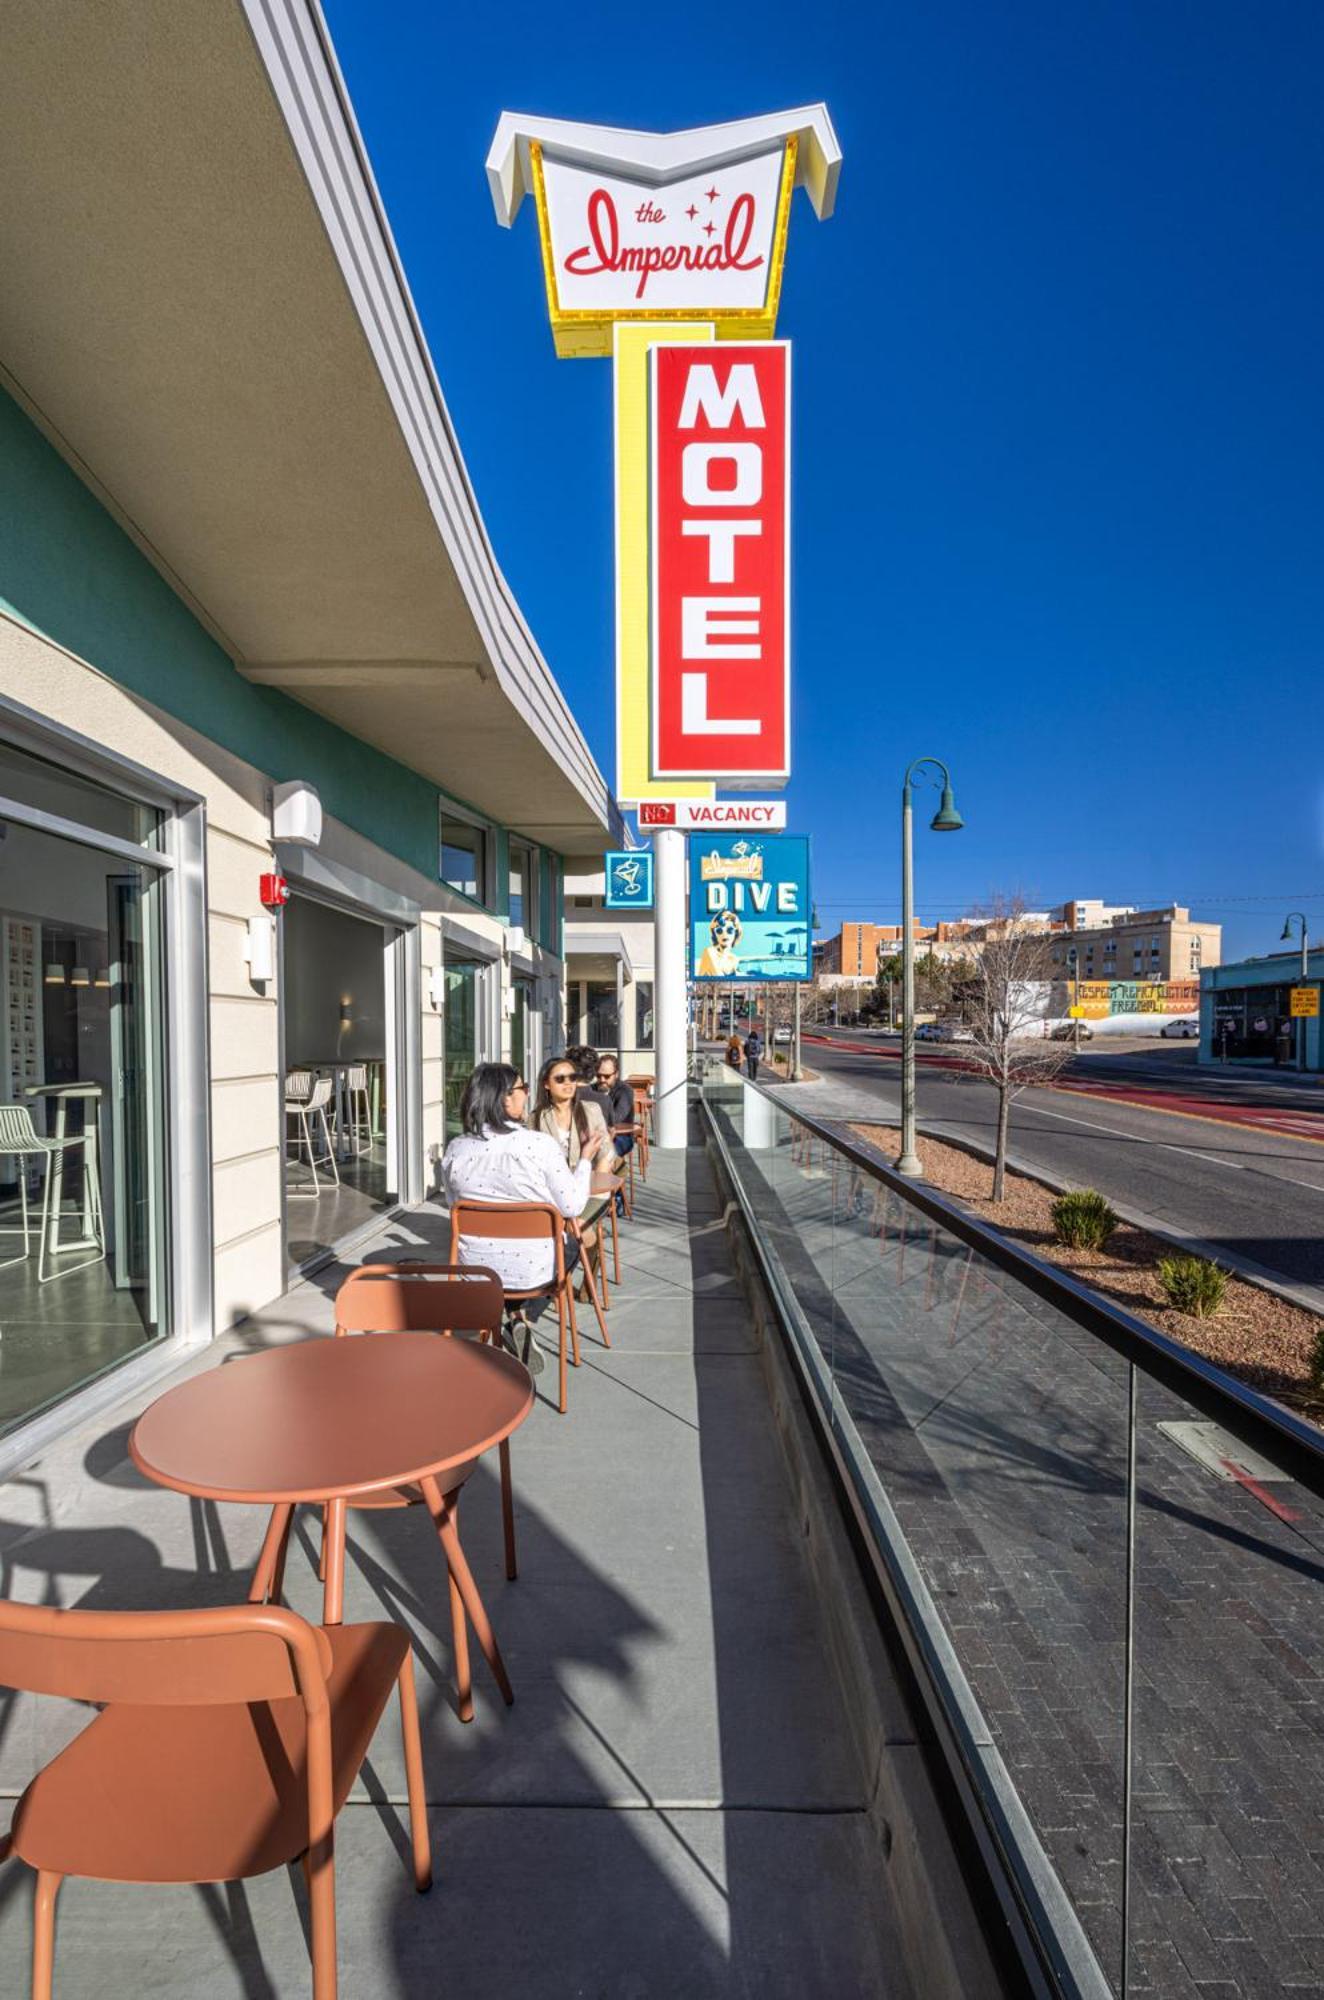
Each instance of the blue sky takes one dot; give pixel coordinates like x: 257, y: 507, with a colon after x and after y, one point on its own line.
x: 1057, y: 503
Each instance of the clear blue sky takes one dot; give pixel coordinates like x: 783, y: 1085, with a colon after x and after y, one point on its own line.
x: 1058, y: 512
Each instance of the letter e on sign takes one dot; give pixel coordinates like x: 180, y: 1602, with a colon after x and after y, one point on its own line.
x: 720, y: 561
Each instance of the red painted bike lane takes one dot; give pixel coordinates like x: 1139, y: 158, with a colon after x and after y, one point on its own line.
x: 1289, y: 1123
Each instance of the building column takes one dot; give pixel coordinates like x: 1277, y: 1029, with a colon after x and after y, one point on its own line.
x: 671, y: 1115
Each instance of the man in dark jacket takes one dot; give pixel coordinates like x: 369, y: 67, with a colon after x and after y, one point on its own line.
x: 619, y: 1098
x: 753, y: 1053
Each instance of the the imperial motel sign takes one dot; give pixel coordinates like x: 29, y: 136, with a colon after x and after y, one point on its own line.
x: 655, y: 247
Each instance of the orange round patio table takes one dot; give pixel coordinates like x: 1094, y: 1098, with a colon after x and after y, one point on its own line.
x: 327, y: 1420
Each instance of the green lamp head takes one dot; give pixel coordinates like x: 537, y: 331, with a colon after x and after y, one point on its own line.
x: 1287, y: 932
x: 946, y: 819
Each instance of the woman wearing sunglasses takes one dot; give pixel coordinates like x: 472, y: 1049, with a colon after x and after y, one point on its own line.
x: 569, y: 1114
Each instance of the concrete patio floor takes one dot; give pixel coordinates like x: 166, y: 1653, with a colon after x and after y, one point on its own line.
x: 674, y: 1805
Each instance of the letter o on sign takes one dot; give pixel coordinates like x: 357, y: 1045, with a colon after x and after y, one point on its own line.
x: 697, y: 462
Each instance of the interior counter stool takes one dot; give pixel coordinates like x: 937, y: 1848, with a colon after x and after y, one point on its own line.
x: 414, y: 1297
x: 227, y: 1743
x: 21, y: 1141
x: 533, y: 1222
x: 308, y: 1112
x: 358, y: 1113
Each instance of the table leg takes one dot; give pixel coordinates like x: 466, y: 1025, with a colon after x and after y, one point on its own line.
x: 333, y: 1609
x: 264, y: 1574
x: 443, y: 1519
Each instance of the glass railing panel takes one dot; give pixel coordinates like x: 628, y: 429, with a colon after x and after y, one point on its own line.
x: 1227, y: 1807
x: 997, y: 1432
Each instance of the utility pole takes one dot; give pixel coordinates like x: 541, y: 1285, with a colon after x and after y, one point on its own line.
x: 945, y: 820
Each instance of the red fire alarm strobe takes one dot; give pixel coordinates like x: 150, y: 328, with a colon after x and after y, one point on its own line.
x: 274, y: 891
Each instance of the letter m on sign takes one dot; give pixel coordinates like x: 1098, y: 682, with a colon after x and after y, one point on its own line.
x: 719, y: 472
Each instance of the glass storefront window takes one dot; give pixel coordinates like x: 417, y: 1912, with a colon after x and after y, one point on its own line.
x: 520, y: 1053
x: 602, y: 1016
x: 82, y: 1063
x: 643, y: 1013
x: 461, y: 1035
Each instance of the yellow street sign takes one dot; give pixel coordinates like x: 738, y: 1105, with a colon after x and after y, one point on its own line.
x: 1076, y: 1013
x: 1305, y: 1003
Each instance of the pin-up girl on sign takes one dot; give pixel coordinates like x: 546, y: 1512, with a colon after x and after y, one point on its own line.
x: 720, y: 959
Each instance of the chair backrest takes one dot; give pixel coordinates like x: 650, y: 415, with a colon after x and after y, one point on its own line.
x: 420, y: 1298
x: 321, y: 1096
x: 298, y: 1082
x: 356, y: 1077
x: 508, y: 1221
x: 17, y: 1131
x: 230, y: 1653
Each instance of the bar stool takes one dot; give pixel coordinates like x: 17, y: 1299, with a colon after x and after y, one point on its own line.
x: 358, y: 1112
x: 308, y: 1111
x: 20, y: 1140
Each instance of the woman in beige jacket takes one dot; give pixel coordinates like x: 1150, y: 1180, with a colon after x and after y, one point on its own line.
x: 575, y: 1123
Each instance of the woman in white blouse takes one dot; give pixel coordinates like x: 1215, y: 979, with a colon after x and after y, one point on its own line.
x: 497, y: 1158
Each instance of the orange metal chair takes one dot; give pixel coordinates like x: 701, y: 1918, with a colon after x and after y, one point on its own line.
x: 525, y: 1221
x: 229, y: 1742
x: 414, y: 1297
x: 643, y: 1113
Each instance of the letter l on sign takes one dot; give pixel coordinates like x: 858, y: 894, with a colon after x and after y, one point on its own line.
x: 720, y: 561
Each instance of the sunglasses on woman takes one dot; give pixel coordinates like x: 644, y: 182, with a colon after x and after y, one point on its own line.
x: 565, y: 1076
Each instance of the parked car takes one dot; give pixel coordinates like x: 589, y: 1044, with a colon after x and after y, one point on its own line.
x: 929, y: 1031
x: 1187, y: 1029
x: 1067, y: 1031
x: 780, y: 1037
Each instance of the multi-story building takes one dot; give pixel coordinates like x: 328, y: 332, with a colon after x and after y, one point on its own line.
x: 287, y: 791
x: 1145, y: 945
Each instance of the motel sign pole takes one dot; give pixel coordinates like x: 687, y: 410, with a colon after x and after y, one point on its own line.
x: 663, y: 252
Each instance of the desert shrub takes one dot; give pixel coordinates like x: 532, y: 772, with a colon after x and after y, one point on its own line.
x: 1085, y: 1219
x: 1193, y: 1285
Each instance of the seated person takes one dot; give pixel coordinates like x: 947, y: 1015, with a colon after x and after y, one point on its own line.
x: 497, y: 1158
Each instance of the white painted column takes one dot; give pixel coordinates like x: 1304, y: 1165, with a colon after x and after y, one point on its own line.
x: 671, y: 1116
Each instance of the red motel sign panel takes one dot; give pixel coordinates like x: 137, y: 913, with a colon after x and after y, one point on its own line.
x: 720, y: 422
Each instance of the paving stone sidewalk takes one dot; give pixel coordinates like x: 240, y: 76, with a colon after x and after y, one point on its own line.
x: 1000, y: 1432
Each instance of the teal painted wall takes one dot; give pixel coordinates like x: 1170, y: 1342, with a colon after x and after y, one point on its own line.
x: 70, y: 572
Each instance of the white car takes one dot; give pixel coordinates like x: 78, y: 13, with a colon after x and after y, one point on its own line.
x: 780, y: 1036
x: 1187, y: 1029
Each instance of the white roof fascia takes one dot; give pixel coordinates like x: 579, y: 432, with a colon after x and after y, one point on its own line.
x: 583, y: 941
x: 658, y: 157
x: 294, y: 45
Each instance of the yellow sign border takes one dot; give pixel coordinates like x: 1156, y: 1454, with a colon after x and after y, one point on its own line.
x: 579, y: 332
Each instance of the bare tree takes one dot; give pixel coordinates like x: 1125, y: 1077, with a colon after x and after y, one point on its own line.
x: 1008, y: 1009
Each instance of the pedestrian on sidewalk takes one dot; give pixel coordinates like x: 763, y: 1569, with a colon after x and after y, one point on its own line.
x: 753, y: 1053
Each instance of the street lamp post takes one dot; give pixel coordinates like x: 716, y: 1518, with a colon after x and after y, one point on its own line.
x: 1305, y: 974
x: 1073, y: 960
x: 945, y: 820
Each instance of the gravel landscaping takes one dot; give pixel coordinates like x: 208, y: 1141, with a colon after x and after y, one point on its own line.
x: 1264, y: 1340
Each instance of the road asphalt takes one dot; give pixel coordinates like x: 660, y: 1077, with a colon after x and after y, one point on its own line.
x: 1252, y: 1196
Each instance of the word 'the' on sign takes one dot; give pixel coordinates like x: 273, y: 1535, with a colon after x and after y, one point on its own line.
x: 720, y: 535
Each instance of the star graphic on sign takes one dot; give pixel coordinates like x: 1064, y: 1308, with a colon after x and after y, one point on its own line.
x: 711, y: 193
x: 691, y: 211
x: 708, y: 228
